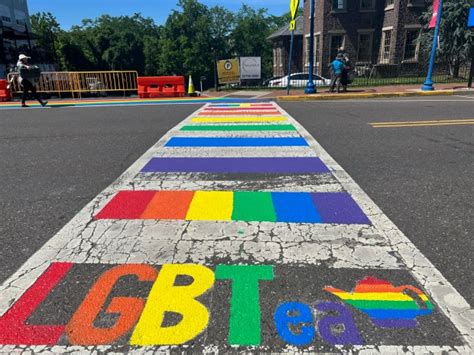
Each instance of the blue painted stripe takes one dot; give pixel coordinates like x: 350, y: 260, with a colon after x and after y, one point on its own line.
x: 295, y: 207
x: 236, y: 142
x: 396, y: 313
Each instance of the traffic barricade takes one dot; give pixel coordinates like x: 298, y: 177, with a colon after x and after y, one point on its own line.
x: 161, y: 86
x: 79, y: 83
x: 4, y: 91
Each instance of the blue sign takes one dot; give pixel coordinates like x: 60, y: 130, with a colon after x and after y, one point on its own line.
x: 470, y: 21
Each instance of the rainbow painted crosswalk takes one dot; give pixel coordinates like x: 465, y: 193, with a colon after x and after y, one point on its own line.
x: 251, y: 206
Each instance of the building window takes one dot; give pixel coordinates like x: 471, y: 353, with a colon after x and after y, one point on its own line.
x: 336, y: 42
x: 367, y: 5
x: 6, y: 19
x: 339, y: 5
x: 411, y: 45
x: 364, y: 54
x: 317, y: 49
x: 386, y: 44
x: 274, y: 57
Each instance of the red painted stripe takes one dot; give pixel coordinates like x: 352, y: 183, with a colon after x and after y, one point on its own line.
x: 169, y: 205
x: 126, y: 205
x: 13, y: 327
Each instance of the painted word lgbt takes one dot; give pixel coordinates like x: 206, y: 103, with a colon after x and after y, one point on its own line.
x: 184, y: 290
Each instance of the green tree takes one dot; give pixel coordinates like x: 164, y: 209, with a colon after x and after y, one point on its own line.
x: 456, y: 40
x: 249, y: 37
x: 47, y: 28
x: 186, y: 41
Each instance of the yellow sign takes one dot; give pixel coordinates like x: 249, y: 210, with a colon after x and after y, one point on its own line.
x: 294, y: 5
x: 228, y: 71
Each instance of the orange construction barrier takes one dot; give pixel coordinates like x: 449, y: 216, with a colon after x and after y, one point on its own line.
x: 4, y: 92
x: 161, y: 86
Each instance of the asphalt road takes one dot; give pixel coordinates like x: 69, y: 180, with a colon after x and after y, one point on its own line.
x: 54, y: 161
x: 421, y: 177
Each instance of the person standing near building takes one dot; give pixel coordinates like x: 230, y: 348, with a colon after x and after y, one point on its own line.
x: 27, y: 81
x: 337, y: 67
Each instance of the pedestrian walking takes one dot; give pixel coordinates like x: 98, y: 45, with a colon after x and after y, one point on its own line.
x: 337, y: 68
x: 27, y: 79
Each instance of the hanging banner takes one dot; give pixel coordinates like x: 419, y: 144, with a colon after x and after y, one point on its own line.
x: 228, y: 71
x: 294, y: 5
x: 434, y: 17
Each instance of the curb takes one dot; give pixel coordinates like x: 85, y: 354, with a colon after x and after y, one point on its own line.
x: 321, y: 97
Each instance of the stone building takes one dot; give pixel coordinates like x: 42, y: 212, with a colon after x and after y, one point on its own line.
x: 380, y: 33
x: 281, y: 48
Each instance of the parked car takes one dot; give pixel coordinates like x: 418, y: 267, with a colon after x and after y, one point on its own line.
x: 298, y: 80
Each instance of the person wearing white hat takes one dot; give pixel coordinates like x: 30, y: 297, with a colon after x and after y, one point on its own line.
x: 27, y: 83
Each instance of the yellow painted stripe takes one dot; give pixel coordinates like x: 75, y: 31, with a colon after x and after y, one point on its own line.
x: 422, y: 122
x: 425, y: 125
x: 238, y: 119
x: 376, y: 296
x: 211, y: 206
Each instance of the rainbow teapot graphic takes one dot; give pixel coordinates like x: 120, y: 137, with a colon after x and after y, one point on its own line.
x: 386, y: 305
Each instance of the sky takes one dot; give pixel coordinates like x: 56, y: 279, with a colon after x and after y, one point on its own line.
x: 71, y: 12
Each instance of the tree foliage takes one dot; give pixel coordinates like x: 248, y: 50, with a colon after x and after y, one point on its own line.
x: 190, y: 41
x: 456, y: 41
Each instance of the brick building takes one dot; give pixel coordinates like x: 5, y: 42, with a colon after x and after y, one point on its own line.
x: 281, y: 47
x: 384, y: 33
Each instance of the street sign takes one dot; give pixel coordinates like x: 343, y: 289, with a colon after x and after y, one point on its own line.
x: 294, y: 5
x: 228, y: 71
x: 250, y: 68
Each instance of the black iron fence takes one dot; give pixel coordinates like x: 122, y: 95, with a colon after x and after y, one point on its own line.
x: 369, y: 76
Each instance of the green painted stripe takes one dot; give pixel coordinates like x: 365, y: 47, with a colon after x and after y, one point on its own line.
x: 268, y: 127
x: 253, y: 206
x: 362, y: 304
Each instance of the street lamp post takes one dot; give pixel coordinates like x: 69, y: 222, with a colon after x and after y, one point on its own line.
x: 310, y: 87
x: 428, y: 85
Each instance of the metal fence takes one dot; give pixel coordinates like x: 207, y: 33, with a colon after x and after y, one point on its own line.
x: 370, y: 76
x: 80, y: 83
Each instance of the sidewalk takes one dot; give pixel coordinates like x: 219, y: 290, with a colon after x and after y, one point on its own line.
x: 354, y: 92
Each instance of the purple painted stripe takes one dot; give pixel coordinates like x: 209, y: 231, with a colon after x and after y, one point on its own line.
x: 395, y: 323
x: 339, y: 207
x: 301, y: 165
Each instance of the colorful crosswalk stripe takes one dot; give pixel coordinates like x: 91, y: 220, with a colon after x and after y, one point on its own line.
x: 288, y: 207
x: 239, y: 119
x: 305, y: 165
x: 244, y: 112
x: 236, y: 127
x: 236, y: 142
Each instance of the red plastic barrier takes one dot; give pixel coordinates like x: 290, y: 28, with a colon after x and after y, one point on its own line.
x: 4, y: 92
x: 161, y: 86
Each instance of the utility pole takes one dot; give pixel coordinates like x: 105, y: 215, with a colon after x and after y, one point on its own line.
x: 310, y: 87
x: 428, y: 85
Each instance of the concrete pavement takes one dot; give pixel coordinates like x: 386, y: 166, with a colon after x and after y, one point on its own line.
x: 280, y: 247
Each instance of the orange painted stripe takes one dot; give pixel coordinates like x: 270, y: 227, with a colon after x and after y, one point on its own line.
x: 168, y: 205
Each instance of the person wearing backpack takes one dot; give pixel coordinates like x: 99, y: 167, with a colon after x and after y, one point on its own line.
x: 27, y: 79
x: 337, y: 71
